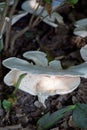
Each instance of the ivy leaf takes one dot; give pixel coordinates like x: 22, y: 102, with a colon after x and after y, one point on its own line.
x: 6, y: 104
x: 48, y: 120
x: 80, y: 115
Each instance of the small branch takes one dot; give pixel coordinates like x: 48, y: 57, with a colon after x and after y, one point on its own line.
x: 37, y: 19
x: 30, y: 25
x: 14, y: 127
x: 9, y: 24
x: 13, y: 9
x: 32, y: 17
x: 3, y: 17
x: 56, y: 9
x: 23, y: 31
x: 16, y: 36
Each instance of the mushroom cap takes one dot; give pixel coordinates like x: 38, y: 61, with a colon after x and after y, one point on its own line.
x: 81, y: 23
x: 22, y: 65
x: 43, y: 85
x: 56, y: 64
x: 17, y: 17
x: 83, y: 52
x: 81, y: 31
x: 56, y: 3
x: 38, y: 57
x: 82, y: 68
x: 31, y: 5
x: 81, y: 27
x: 43, y: 80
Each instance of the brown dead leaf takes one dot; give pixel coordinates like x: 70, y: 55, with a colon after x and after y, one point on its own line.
x: 48, y: 7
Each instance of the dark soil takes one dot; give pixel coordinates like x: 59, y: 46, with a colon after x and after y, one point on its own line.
x: 59, y: 43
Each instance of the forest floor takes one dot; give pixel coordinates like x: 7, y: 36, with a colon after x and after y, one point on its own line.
x: 59, y: 43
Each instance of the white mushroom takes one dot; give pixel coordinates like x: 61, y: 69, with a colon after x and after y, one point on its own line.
x: 43, y: 85
x: 81, y: 31
x: 38, y: 57
x: 81, y: 28
x: 83, y: 52
x: 82, y: 68
x: 42, y: 81
x: 54, y: 17
x: 81, y: 23
x: 17, y: 17
x: 31, y: 5
x: 16, y: 63
x: 57, y: 3
x: 56, y: 64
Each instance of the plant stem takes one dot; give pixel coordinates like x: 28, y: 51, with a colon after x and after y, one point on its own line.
x: 8, y: 28
x: 3, y: 17
x: 31, y: 25
x: 37, y: 19
x: 23, y: 31
x: 17, y: 36
x: 32, y: 17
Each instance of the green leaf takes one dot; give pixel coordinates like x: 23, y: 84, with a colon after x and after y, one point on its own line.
x: 48, y: 120
x: 6, y: 104
x: 48, y: 1
x: 18, y: 83
x: 72, y: 2
x: 1, y: 44
x: 80, y: 115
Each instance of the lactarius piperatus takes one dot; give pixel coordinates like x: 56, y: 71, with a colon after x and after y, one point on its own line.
x: 42, y: 80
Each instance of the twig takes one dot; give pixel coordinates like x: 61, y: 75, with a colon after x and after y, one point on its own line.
x: 37, y: 19
x: 14, y: 127
x: 3, y: 16
x: 32, y: 17
x: 56, y: 9
x: 9, y: 24
x: 23, y: 31
x: 16, y: 36
x: 30, y: 25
